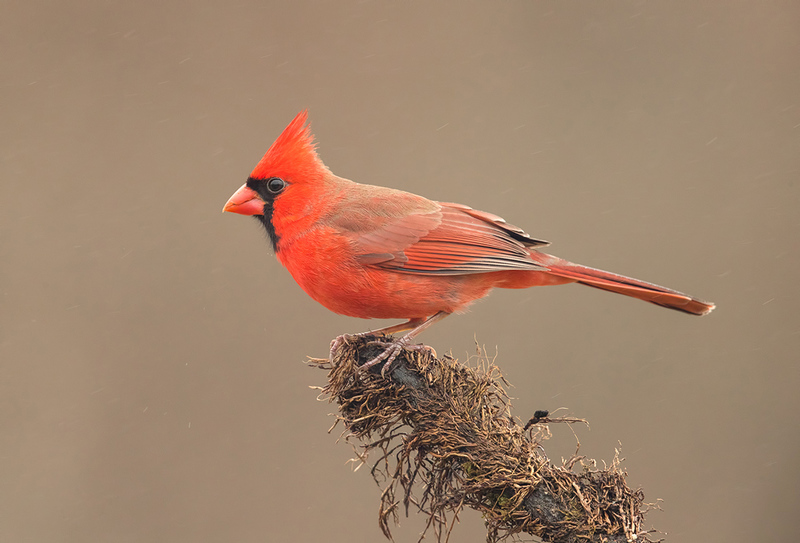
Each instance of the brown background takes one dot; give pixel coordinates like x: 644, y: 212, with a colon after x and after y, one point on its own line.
x: 151, y: 377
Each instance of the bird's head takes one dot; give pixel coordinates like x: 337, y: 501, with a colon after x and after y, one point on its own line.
x: 289, y: 166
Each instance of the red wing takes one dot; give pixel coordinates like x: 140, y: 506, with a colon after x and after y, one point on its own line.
x: 453, y: 241
x: 388, y: 242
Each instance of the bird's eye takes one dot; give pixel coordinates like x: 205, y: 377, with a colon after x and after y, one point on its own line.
x: 275, y: 185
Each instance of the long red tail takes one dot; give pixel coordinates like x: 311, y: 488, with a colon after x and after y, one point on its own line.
x: 622, y: 285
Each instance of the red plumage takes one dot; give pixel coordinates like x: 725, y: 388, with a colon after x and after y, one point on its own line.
x: 375, y: 252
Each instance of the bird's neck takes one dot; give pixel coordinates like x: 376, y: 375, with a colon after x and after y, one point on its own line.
x: 307, y: 209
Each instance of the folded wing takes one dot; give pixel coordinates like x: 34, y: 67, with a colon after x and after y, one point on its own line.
x: 453, y: 240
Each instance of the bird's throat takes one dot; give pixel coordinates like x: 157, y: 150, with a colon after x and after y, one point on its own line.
x: 266, y: 221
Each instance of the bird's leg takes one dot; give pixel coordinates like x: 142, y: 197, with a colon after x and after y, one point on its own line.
x: 393, y: 349
x: 402, y: 327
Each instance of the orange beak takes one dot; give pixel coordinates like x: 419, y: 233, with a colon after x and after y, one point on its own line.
x: 245, y: 201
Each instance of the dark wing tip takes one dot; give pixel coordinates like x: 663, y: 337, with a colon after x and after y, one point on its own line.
x: 515, y: 232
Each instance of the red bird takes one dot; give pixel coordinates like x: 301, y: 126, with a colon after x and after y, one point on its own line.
x: 375, y: 252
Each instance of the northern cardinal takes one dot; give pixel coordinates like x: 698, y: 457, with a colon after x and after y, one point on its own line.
x: 375, y: 252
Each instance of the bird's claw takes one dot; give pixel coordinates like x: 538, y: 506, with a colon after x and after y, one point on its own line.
x: 337, y: 343
x: 391, y: 350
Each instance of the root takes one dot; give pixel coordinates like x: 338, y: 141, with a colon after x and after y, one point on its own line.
x: 445, y: 439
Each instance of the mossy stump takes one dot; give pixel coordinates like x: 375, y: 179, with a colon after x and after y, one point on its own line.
x: 445, y: 439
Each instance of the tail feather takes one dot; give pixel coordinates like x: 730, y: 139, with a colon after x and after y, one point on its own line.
x: 620, y: 284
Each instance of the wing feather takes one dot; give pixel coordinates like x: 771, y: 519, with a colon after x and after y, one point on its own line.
x: 454, y: 240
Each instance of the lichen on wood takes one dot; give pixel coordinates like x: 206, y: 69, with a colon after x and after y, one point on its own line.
x: 445, y: 439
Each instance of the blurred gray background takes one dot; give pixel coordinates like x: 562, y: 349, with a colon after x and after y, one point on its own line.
x: 152, y: 385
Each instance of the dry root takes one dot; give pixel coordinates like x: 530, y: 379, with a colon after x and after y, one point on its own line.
x: 446, y: 440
